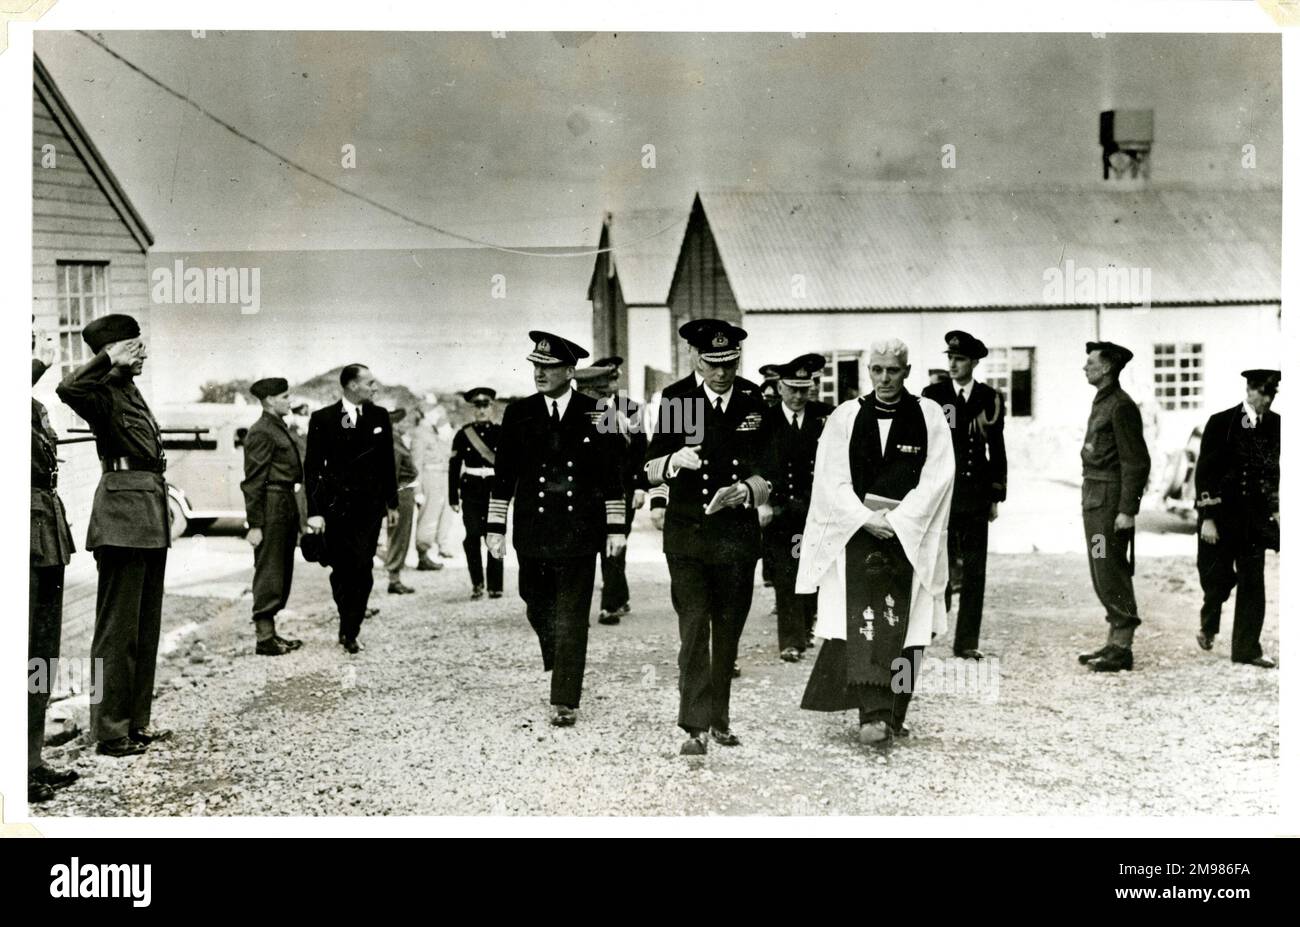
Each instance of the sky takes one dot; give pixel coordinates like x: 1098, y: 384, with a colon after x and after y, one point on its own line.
x: 527, y: 140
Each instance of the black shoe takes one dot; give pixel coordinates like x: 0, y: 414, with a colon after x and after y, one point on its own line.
x: 695, y: 745
x: 1119, y: 658
x: 724, y: 737
x: 399, y: 588
x: 476, y: 593
x: 148, y: 735
x: 1262, y: 663
x: 901, y: 730
x: 563, y: 716
x: 608, y: 617
x: 495, y: 595
x: 969, y: 654
x: 1204, y: 641
x: 1086, y: 658
x: 38, y: 792
x: 45, y: 774
x: 352, y: 645
x: 426, y: 564
x: 289, y: 642
x: 273, y: 647
x: 372, y: 611
x: 122, y: 746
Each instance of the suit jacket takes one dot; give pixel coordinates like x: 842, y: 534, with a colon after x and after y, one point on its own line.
x: 1238, y: 469
x: 270, y: 456
x: 130, y: 507
x: 981, y: 454
x: 731, y: 452
x: 788, y: 459
x: 565, y: 483
x: 350, y: 472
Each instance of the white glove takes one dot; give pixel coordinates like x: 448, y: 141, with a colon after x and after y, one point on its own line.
x: 496, y: 545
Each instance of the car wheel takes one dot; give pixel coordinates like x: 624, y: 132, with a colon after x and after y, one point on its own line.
x: 180, y: 524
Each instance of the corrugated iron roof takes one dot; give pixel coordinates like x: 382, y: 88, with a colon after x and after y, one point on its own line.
x: 930, y: 249
x: 646, y: 243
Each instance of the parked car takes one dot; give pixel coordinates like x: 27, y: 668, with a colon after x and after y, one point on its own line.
x: 205, y: 467
x: 1180, y: 477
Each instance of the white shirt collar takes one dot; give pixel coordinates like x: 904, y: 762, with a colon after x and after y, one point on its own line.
x: 789, y: 414
x: 1251, y: 415
x: 561, y: 401
x: 351, y: 409
x: 965, y: 391
x: 713, y: 397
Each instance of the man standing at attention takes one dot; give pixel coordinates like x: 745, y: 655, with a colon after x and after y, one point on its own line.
x: 1115, y: 470
x: 129, y: 531
x: 875, y: 547
x: 351, y: 479
x: 563, y: 475
x: 272, y: 478
x: 469, y: 486
x: 975, y: 412
x: 711, y: 534
x: 1238, y: 474
x: 401, y: 521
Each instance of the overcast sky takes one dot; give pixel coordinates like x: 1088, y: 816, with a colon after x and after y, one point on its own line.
x: 527, y: 139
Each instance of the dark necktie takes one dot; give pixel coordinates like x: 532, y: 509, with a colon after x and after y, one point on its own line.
x: 555, y: 412
x: 794, y: 422
x: 718, y: 405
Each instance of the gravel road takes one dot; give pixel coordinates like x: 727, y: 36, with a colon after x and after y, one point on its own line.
x: 445, y: 713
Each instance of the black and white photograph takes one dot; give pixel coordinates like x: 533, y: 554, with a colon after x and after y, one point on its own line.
x: 720, y: 424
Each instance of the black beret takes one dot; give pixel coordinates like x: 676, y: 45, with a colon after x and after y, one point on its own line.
x: 717, y: 341
x: 476, y: 392
x: 612, y: 361
x: 1117, y: 351
x: 269, y: 386
x: 108, y: 329
x: 965, y: 345
x: 552, y: 350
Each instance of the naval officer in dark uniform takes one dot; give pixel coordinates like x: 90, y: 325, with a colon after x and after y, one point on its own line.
x: 791, y: 430
x: 563, y: 474
x: 272, y: 477
x: 976, y: 413
x: 1238, y: 473
x: 470, y: 473
x: 129, y: 531
x: 51, y: 549
x: 707, y: 447
x: 1115, y: 470
x: 351, y: 479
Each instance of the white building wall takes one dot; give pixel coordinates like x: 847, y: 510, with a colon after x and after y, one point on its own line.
x: 649, y: 344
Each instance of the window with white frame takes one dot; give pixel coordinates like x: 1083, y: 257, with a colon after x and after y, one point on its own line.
x: 82, y: 296
x: 839, y: 381
x: 1010, y: 371
x: 1177, y: 374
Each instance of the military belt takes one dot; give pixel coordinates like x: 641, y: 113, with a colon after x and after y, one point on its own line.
x: 113, y: 464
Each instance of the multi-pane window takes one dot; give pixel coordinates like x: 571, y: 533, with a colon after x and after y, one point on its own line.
x: 1177, y: 374
x: 1010, y: 371
x: 83, y: 296
x: 839, y: 380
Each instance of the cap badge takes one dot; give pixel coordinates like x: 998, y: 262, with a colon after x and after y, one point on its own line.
x: 544, y: 346
x: 719, y: 340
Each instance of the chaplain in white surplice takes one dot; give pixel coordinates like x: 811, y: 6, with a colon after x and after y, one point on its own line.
x: 875, y: 547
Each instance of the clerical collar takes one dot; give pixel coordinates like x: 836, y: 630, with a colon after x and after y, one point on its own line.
x: 886, y: 409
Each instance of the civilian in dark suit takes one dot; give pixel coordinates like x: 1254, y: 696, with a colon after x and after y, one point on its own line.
x: 790, y: 432
x: 563, y: 474
x: 129, y: 531
x: 351, y: 479
x: 619, y: 415
x: 707, y: 447
x: 1238, y: 473
x: 976, y: 414
x: 51, y: 549
x: 272, y: 478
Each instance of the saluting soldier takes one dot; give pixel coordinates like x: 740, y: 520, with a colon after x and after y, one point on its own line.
x: 272, y: 480
x: 51, y: 549
x: 791, y: 430
x: 1115, y: 470
x: 470, y: 475
x: 1238, y: 473
x: 976, y: 413
x: 711, y: 533
x: 563, y: 474
x: 129, y: 531
x: 619, y: 414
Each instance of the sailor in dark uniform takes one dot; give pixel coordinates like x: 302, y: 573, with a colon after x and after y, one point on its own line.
x: 51, y: 549
x: 470, y: 474
x: 791, y: 429
x: 1238, y: 473
x: 129, y: 531
x: 622, y: 416
x: 272, y: 480
x: 564, y: 475
x: 1115, y: 470
x: 707, y: 447
x: 976, y: 413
